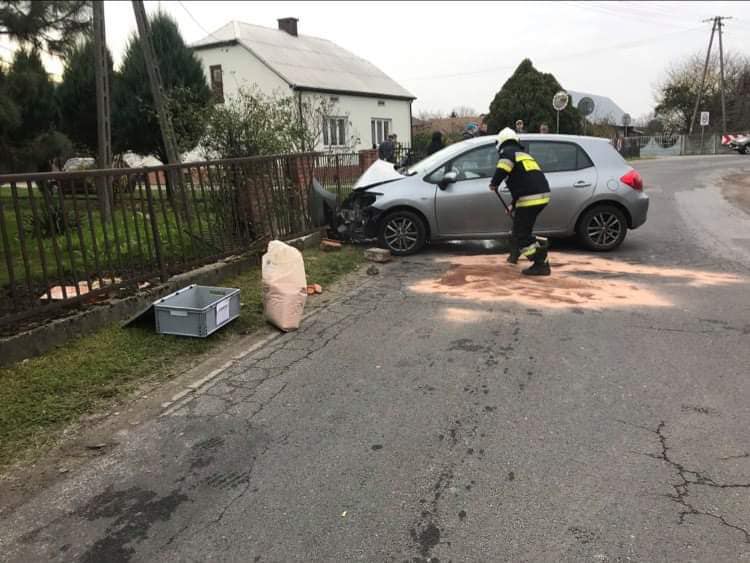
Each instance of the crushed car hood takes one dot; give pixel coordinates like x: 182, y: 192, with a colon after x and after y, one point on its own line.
x: 380, y: 172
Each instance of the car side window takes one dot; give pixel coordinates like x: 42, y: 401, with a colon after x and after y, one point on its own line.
x: 476, y: 163
x: 583, y: 160
x: 559, y: 157
x: 471, y: 165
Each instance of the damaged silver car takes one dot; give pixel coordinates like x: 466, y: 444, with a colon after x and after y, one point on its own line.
x: 596, y: 195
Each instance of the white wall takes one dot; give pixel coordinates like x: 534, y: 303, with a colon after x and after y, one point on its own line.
x: 361, y: 110
x: 241, y: 69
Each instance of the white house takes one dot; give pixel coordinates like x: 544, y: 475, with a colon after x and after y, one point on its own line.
x: 369, y: 105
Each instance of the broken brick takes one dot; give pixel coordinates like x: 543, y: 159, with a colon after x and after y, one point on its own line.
x: 328, y: 245
x: 378, y: 255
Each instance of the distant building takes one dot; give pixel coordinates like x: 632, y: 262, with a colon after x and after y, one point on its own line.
x: 606, y: 111
x: 369, y: 105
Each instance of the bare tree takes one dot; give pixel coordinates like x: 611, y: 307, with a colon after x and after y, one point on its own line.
x: 677, y: 91
x: 464, y: 111
x: 429, y: 115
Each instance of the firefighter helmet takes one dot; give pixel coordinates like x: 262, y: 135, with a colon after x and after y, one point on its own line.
x: 505, y: 135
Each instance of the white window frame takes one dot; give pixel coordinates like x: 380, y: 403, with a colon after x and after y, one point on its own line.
x: 336, y: 129
x: 380, y: 128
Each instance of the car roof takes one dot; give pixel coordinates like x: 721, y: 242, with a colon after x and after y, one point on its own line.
x: 487, y: 139
x: 599, y: 149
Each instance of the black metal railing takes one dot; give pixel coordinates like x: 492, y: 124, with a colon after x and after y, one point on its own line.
x: 70, y: 237
x: 338, y: 172
x: 406, y: 156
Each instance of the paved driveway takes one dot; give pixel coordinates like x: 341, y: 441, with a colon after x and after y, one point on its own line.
x: 450, y: 411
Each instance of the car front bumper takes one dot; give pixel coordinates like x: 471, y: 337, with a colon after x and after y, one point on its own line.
x: 358, y: 219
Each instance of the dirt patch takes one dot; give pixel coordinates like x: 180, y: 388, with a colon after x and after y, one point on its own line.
x: 578, y: 281
x: 736, y: 189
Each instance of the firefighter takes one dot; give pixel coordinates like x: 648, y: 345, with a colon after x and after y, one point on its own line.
x: 530, y: 192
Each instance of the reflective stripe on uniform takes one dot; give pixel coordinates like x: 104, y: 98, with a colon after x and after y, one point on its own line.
x: 529, y: 250
x: 505, y: 164
x: 531, y: 201
x: 528, y: 161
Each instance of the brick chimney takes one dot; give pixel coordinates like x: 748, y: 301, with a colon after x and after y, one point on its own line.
x: 289, y: 25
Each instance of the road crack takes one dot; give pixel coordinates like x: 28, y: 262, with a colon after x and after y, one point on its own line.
x: 689, y: 478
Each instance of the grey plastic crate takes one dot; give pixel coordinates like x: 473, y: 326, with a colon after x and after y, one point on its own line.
x: 196, y: 310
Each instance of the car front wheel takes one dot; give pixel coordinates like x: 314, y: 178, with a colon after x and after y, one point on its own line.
x: 602, y: 228
x: 402, y: 232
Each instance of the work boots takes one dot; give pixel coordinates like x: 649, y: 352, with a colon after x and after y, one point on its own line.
x: 537, y: 269
x: 540, y: 267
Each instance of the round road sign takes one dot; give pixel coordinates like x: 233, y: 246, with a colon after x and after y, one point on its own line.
x: 560, y: 100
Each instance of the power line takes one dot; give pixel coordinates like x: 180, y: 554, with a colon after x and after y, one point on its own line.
x: 626, y: 45
x: 741, y: 23
x: 611, y: 11
x: 652, y: 8
x: 192, y: 17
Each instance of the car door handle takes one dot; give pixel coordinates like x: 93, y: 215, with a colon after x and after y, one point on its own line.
x: 581, y: 184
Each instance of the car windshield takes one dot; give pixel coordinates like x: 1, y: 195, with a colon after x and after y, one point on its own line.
x: 428, y: 164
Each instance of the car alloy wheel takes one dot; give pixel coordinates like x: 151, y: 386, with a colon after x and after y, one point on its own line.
x: 401, y: 234
x: 604, y: 229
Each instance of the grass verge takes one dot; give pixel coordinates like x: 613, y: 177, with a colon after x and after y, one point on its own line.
x: 39, y: 396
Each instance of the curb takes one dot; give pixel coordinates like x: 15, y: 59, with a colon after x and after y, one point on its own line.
x: 200, y: 385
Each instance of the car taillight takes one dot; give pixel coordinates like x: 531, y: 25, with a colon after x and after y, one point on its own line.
x: 633, y: 179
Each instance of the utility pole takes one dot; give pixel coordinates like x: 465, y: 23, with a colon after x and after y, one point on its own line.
x: 720, y: 24
x: 717, y: 25
x: 157, y: 86
x: 703, y: 80
x: 103, y: 129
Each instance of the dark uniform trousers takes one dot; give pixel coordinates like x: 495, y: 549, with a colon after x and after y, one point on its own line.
x: 523, y: 225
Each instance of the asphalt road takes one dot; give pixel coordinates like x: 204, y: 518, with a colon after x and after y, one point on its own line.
x: 437, y: 414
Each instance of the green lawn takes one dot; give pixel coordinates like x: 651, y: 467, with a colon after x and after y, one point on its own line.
x: 39, y: 396
x: 124, y: 244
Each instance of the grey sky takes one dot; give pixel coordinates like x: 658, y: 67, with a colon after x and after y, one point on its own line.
x: 459, y: 53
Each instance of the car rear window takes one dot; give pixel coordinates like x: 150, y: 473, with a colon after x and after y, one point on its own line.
x: 559, y: 157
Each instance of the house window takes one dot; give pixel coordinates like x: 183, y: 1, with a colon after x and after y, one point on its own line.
x: 217, y: 83
x: 381, y: 102
x: 381, y: 128
x: 334, y: 131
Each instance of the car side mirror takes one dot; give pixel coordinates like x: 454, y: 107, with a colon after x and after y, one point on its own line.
x: 448, y: 179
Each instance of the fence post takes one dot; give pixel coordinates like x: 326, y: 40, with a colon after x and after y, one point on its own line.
x: 155, y: 231
x: 6, y: 251
x: 338, y: 179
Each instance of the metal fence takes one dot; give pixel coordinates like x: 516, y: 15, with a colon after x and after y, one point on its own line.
x: 338, y: 172
x: 71, y: 237
x: 406, y: 156
x: 669, y: 145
